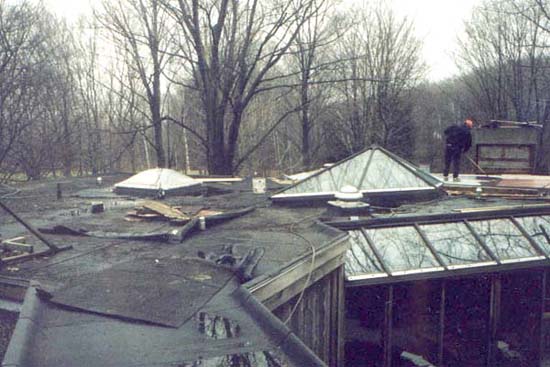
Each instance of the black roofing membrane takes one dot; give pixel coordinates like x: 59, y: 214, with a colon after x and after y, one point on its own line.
x: 162, y: 291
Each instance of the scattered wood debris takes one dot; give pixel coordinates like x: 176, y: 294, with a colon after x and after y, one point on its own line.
x: 17, y: 244
x: 14, y: 249
x: 154, y: 210
x: 150, y: 210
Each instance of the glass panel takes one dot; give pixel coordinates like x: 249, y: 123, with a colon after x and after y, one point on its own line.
x: 346, y: 173
x: 351, y: 171
x: 402, y: 248
x: 320, y: 183
x: 386, y: 173
x: 360, y: 259
x: 455, y: 243
x: 504, y: 239
x: 532, y: 226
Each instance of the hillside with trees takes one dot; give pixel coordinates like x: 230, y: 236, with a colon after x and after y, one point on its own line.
x: 233, y: 87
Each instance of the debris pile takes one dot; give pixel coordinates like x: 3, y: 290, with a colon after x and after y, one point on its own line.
x: 149, y: 210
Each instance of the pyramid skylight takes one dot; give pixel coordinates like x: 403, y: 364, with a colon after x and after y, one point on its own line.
x: 374, y: 170
x: 151, y: 181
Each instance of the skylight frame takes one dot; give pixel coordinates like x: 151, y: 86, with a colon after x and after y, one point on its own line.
x: 495, y: 264
x: 432, y: 183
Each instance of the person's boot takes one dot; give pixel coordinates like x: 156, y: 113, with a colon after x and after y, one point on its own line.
x: 445, y: 178
x: 456, y: 179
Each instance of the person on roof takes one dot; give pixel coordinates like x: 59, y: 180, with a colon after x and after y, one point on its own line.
x: 458, y: 140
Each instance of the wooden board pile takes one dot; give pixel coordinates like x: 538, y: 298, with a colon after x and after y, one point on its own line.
x: 149, y: 210
x: 14, y: 249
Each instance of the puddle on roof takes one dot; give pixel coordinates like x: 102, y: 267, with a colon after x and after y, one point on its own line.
x: 255, y: 359
x: 217, y: 327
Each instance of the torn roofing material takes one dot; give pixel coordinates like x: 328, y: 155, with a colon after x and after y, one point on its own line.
x: 143, y: 313
x: 226, y: 332
x: 151, y: 181
x: 162, y: 291
x: 372, y: 171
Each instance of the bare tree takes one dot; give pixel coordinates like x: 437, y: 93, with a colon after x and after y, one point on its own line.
x: 32, y: 124
x: 141, y: 30
x: 382, y: 66
x: 311, y: 61
x: 505, y: 63
x: 232, y: 47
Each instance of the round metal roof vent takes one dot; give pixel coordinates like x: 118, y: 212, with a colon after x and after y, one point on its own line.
x: 349, y: 193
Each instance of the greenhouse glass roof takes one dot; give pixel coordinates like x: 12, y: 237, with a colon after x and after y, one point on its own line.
x: 373, y: 170
x: 427, y: 250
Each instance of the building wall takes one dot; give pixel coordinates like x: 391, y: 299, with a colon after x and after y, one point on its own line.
x: 317, y: 317
x: 506, y: 149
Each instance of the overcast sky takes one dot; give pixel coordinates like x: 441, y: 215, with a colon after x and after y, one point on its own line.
x: 437, y: 22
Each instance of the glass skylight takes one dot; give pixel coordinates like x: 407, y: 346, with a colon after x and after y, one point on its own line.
x: 475, y: 246
x: 374, y: 169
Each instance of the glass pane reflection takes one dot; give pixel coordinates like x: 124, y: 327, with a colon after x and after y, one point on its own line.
x: 386, y: 173
x: 504, y: 239
x: 533, y: 226
x: 455, y: 243
x: 360, y: 259
x: 402, y: 248
x: 346, y: 173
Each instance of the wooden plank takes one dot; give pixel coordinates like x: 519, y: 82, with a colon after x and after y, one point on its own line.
x: 29, y: 227
x: 20, y: 239
x: 295, y: 286
x: 15, y: 245
x: 24, y: 257
x: 271, y: 285
x: 163, y: 209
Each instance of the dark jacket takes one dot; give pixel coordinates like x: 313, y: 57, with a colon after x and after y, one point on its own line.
x: 458, y: 137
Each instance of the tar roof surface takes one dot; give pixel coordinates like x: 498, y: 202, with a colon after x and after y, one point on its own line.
x: 59, y: 333
x: 125, y: 330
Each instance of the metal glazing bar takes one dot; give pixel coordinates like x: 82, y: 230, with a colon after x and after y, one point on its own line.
x: 531, y: 240
x: 376, y: 252
x: 481, y: 242
x: 334, y: 181
x: 366, y: 170
x: 544, y: 233
x: 430, y: 246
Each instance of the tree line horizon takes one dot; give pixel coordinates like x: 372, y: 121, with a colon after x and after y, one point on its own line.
x: 240, y: 86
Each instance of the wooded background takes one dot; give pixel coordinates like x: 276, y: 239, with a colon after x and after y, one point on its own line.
x: 242, y: 86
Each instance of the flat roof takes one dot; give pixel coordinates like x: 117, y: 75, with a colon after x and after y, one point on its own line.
x: 126, y: 302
